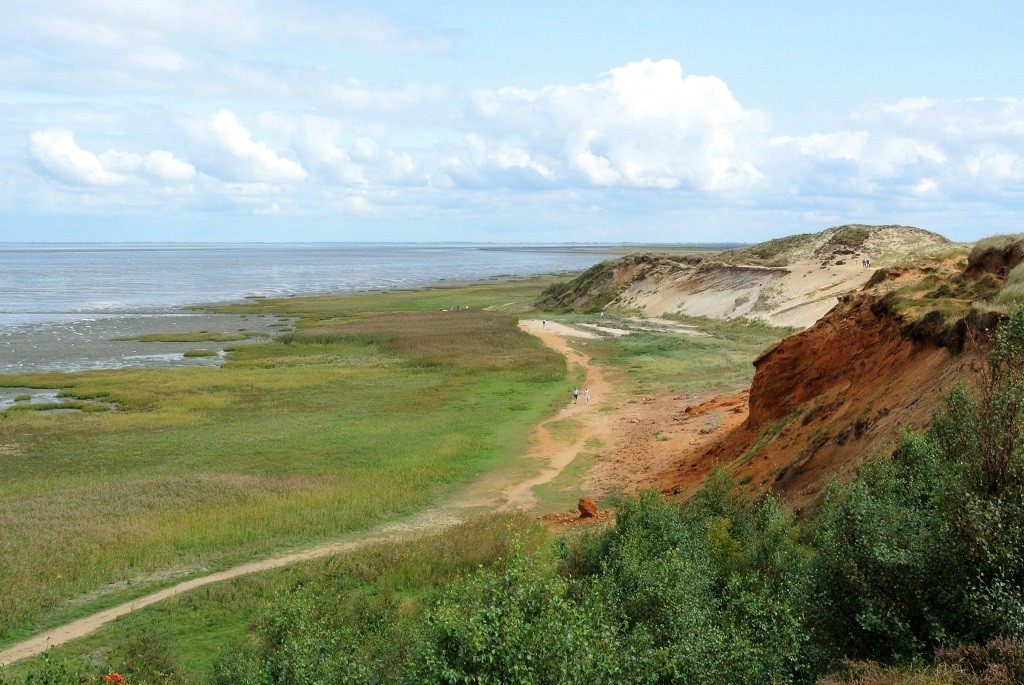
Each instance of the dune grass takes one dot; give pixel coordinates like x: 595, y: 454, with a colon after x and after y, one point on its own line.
x: 358, y: 418
x: 1012, y: 294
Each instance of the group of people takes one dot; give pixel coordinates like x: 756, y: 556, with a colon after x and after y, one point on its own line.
x: 576, y: 395
x: 866, y: 263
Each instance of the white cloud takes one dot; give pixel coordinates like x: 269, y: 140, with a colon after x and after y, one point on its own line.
x: 841, y: 145
x: 388, y: 166
x: 229, y: 152
x: 993, y: 164
x: 641, y: 137
x: 642, y: 125
x: 481, y: 164
x: 315, y: 140
x: 165, y: 166
x: 56, y: 153
x: 227, y: 25
x: 227, y: 54
x: 274, y: 209
x: 927, y: 186
x: 969, y: 148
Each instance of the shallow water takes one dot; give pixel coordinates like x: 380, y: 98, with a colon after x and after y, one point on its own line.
x: 61, y: 304
x: 90, y: 342
x: 42, y: 282
x: 8, y: 396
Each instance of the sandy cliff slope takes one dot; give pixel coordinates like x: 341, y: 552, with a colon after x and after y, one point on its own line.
x: 790, y: 281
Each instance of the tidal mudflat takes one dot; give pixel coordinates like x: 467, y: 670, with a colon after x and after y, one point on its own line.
x: 109, y: 341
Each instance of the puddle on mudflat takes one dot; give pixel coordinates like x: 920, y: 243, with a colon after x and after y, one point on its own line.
x: 49, y: 400
x: 100, y: 342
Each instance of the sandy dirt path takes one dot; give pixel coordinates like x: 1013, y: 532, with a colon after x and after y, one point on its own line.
x: 516, y: 496
x: 593, y: 423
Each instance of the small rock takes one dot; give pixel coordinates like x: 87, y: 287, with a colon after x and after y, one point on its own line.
x: 588, y: 509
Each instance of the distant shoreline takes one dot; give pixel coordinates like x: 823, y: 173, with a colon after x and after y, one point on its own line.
x: 91, y: 341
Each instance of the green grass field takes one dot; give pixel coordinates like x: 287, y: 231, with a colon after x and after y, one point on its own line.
x: 647, y: 362
x: 376, y: 407
x: 182, y: 636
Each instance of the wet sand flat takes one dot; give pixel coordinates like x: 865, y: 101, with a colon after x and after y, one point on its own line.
x: 98, y: 341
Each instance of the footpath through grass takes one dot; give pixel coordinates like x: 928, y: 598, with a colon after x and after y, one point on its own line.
x: 372, y: 409
x: 178, y: 640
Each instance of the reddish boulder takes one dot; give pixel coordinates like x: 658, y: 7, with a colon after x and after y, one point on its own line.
x: 588, y: 509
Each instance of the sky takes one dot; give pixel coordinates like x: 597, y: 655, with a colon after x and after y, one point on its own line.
x: 252, y: 120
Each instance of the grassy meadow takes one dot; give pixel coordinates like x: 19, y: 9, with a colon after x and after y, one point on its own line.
x: 722, y: 360
x: 375, y: 407
x: 178, y: 640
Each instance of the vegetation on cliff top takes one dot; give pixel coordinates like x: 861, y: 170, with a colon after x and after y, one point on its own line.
x: 942, y: 299
x: 849, y: 239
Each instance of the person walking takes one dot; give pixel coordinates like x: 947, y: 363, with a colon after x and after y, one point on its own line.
x: 575, y: 395
x: 586, y: 395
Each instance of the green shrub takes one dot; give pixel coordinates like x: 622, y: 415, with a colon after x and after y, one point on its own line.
x: 927, y: 549
x: 55, y: 672
x: 525, y: 624
x: 716, y: 587
x: 314, y: 636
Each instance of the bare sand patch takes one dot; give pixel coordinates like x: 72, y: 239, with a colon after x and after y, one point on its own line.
x: 795, y: 295
x: 542, y: 329
x: 607, y: 330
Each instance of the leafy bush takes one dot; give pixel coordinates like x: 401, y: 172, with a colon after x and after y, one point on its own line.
x: 311, y: 636
x: 927, y: 549
x: 525, y: 624
x: 718, y: 585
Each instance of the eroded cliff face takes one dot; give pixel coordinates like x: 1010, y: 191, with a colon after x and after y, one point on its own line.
x: 839, y: 393
x: 849, y: 350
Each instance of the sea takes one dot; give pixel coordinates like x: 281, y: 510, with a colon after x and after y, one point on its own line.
x: 61, y: 305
